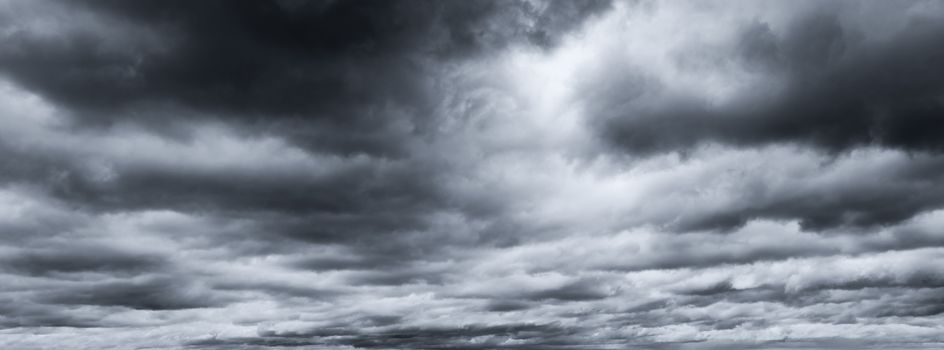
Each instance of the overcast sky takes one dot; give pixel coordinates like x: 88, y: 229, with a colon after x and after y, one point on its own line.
x: 471, y: 174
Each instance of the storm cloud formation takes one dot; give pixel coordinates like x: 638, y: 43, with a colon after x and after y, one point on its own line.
x: 423, y: 174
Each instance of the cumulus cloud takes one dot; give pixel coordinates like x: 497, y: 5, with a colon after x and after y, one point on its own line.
x: 475, y: 175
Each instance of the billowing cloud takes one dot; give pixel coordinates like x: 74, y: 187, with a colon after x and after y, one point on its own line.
x: 822, y: 77
x: 471, y: 175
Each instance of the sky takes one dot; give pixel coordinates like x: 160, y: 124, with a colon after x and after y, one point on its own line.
x: 420, y: 174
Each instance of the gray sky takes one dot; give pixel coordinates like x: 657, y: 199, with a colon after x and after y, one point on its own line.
x: 471, y: 174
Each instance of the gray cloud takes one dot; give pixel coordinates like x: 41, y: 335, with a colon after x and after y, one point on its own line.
x: 887, y: 196
x: 838, y: 92
x: 470, y: 175
x: 338, y: 75
x: 149, y: 293
x: 76, y: 259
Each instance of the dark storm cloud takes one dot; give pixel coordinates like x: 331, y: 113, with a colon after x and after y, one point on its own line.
x: 822, y: 79
x: 840, y: 92
x: 529, y: 335
x: 396, y: 277
x: 509, y: 336
x: 499, y: 305
x: 330, y: 74
x: 865, y: 288
x: 281, y: 290
x: 346, y: 78
x: 585, y: 289
x: 887, y: 196
x: 78, y: 259
x: 19, y: 314
x: 146, y: 293
x: 866, y: 304
x: 378, y: 196
x: 924, y: 302
x: 918, y: 279
x: 315, y: 198
x: 424, y: 174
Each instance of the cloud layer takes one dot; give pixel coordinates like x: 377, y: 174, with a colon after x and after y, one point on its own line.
x: 471, y: 175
